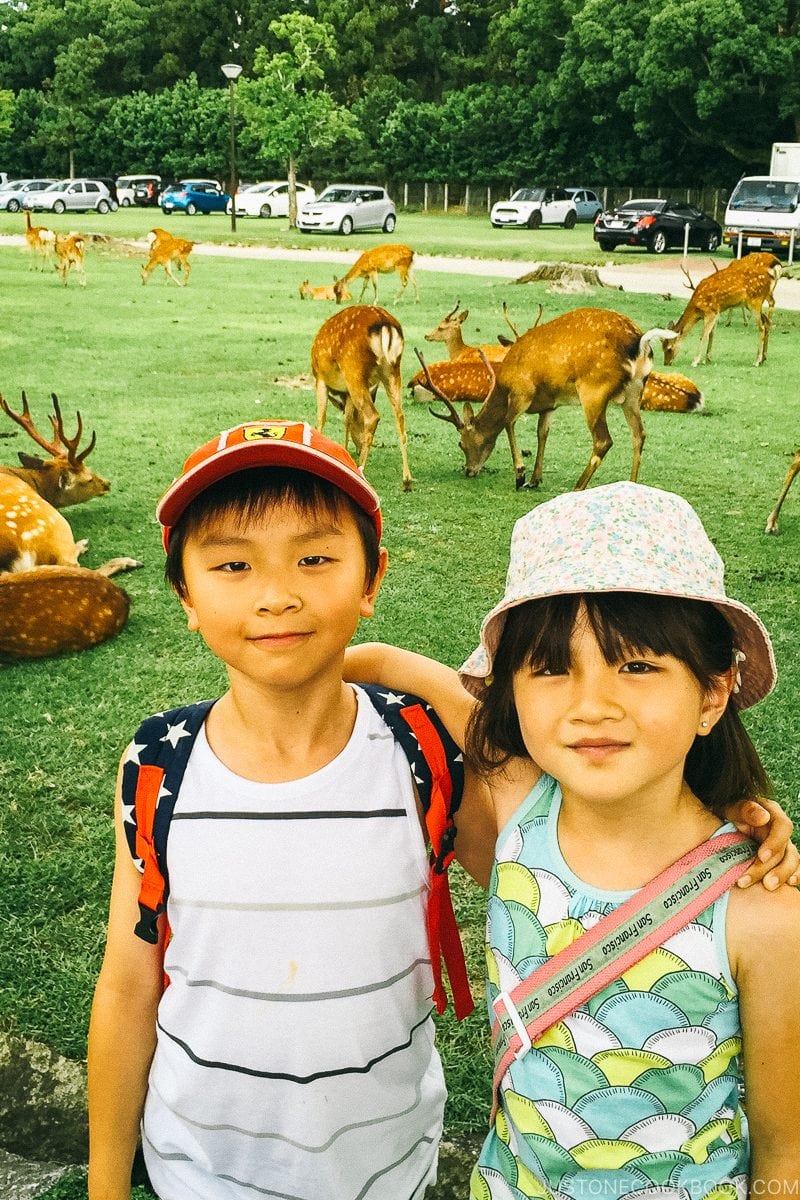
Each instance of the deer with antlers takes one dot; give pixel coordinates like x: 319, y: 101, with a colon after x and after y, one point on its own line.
x: 748, y: 283
x: 48, y: 603
x: 40, y: 242
x: 327, y: 292
x: 794, y: 469
x: 381, y: 260
x: 166, y: 250
x: 354, y: 351
x: 589, y: 355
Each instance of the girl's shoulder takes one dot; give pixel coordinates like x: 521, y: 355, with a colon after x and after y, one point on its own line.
x: 763, y: 928
x: 509, y: 787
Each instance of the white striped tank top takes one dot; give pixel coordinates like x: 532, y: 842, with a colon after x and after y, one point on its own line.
x: 295, y: 1049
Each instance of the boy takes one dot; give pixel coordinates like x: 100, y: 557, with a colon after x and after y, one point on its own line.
x: 292, y: 1053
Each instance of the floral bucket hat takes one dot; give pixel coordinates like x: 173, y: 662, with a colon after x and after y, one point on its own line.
x: 623, y: 537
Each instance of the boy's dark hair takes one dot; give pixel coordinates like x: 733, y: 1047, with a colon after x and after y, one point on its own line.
x: 250, y: 495
x: 721, y: 767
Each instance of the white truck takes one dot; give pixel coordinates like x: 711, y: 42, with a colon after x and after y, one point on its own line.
x: 763, y: 212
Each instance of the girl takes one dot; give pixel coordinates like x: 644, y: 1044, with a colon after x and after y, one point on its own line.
x: 609, y: 681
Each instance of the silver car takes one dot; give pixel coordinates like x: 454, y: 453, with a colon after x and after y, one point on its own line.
x: 72, y: 195
x: 343, y: 207
x: 14, y: 192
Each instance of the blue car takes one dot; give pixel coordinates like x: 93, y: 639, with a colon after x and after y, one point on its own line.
x: 194, y: 196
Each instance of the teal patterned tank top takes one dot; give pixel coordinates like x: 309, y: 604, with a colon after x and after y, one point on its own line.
x: 637, y: 1093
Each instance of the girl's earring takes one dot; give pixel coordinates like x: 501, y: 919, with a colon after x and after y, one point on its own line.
x: 704, y: 724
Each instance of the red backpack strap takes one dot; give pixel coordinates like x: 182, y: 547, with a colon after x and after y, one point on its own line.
x: 438, y: 771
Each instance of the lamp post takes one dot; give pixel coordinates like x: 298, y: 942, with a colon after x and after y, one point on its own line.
x: 232, y: 71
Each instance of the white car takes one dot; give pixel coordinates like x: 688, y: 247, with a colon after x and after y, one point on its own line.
x: 343, y: 207
x: 126, y: 185
x: 531, y: 207
x: 14, y: 192
x: 270, y: 198
x: 72, y: 195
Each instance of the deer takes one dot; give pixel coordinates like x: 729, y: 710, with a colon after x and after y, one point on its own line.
x: 56, y: 610
x: 327, y: 292
x: 166, y: 250
x: 671, y: 393
x: 591, y: 355
x: 463, y: 380
x: 353, y: 352
x: 380, y: 260
x: 40, y: 242
x: 794, y: 469
x: 449, y: 331
x: 70, y: 250
x: 748, y: 282
x: 64, y: 478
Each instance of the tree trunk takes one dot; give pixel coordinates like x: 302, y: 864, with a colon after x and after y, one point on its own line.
x: 72, y: 162
x: 292, y: 172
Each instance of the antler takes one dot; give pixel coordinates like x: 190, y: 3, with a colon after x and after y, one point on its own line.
x: 507, y: 320
x: 453, y: 311
x: 688, y: 276
x: 25, y: 421
x: 453, y: 418
x: 71, y: 444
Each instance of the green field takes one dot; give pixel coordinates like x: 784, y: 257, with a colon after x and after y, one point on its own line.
x: 157, y: 370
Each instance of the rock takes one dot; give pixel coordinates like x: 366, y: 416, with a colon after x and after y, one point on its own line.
x: 22, y: 1180
x: 456, y: 1161
x: 42, y: 1103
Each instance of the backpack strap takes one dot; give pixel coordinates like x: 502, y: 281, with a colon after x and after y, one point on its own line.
x: 151, y: 778
x: 606, y: 951
x: 437, y: 768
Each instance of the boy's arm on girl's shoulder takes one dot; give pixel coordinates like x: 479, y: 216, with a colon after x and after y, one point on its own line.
x: 778, y: 860
x: 122, y: 1032
x: 764, y: 947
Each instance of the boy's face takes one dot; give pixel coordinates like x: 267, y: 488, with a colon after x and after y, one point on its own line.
x: 279, y: 599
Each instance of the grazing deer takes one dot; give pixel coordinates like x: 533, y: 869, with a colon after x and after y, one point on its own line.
x: 166, y: 250
x: 56, y: 610
x: 327, y: 292
x: 70, y: 250
x: 449, y: 331
x: 748, y: 282
x: 64, y: 478
x: 589, y: 355
x: 670, y: 393
x: 354, y: 351
x: 40, y: 242
x: 381, y: 260
x: 772, y: 520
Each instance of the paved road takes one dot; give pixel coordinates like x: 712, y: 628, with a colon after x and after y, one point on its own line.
x: 646, y: 274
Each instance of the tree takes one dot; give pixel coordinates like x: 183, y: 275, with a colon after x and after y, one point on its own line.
x: 73, y: 105
x: 287, y: 107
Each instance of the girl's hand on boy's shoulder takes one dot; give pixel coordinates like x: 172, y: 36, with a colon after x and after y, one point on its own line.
x: 778, y: 861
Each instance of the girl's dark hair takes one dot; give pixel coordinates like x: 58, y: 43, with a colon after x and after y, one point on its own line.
x: 721, y: 767
x: 250, y: 496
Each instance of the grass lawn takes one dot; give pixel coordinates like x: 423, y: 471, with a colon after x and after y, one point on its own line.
x: 155, y: 371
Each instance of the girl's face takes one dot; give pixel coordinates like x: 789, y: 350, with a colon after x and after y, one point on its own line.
x: 615, y: 732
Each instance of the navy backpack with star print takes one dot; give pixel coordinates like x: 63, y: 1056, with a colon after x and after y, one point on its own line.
x: 154, y: 769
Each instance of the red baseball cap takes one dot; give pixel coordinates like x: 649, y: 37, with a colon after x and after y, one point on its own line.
x: 267, y: 444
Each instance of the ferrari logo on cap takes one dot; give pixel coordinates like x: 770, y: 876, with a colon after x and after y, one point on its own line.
x: 256, y: 433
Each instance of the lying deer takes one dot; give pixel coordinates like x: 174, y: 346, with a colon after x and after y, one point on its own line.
x: 166, y: 250
x: 670, y: 393
x: 70, y: 250
x: 55, y: 610
x: 63, y: 479
x: 463, y: 380
x: 380, y: 261
x: 354, y: 351
x: 40, y: 242
x: 596, y: 356
x: 327, y: 292
x: 449, y: 331
x: 794, y: 469
x: 748, y: 282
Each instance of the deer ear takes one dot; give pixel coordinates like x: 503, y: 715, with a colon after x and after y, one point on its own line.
x: 64, y: 480
x: 466, y: 409
x: 29, y: 460
x: 463, y: 316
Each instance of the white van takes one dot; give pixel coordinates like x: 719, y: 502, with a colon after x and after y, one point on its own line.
x: 126, y: 183
x: 763, y: 213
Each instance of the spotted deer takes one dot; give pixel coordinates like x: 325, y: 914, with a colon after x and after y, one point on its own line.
x: 381, y: 260
x: 462, y: 380
x: 57, y: 610
x: 354, y: 351
x: 40, y: 242
x: 63, y: 478
x: 449, y: 331
x: 670, y: 392
x: 588, y: 356
x: 794, y: 469
x: 166, y: 250
x: 747, y: 282
x: 326, y: 292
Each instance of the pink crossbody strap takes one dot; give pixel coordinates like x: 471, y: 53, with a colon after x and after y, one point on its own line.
x: 606, y: 951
